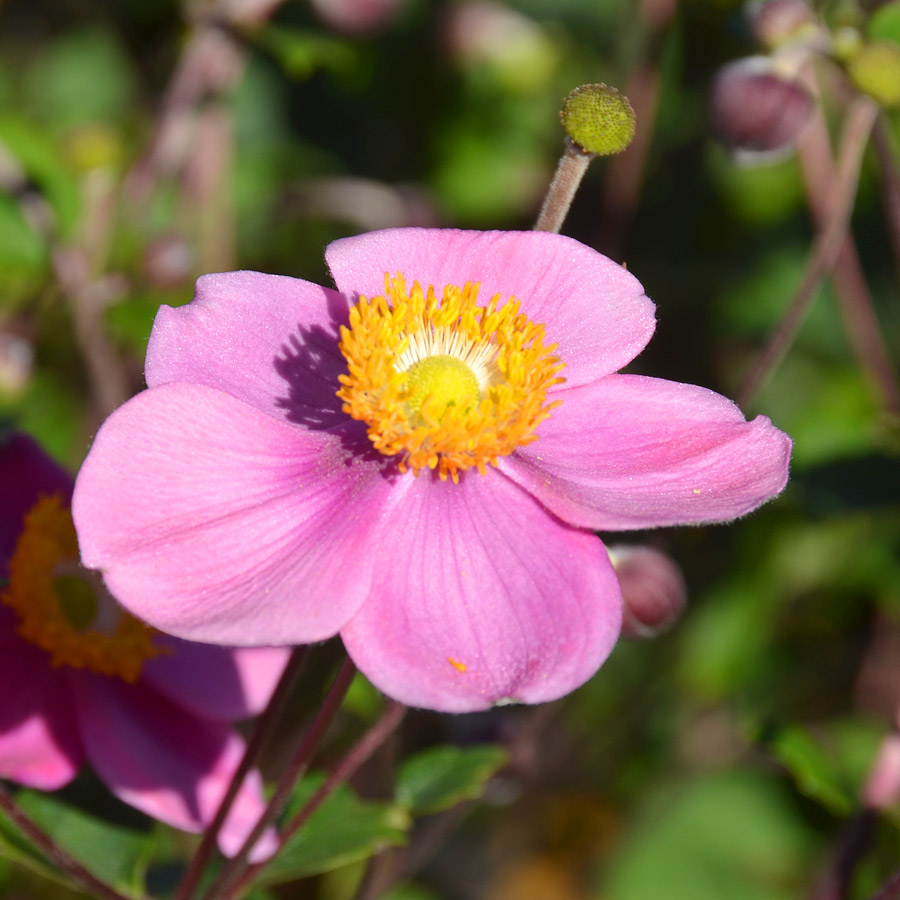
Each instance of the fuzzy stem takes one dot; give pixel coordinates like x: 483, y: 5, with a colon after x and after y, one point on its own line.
x: 265, y: 725
x: 59, y: 857
x: 569, y: 172
x: 344, y: 770
x: 831, y: 239
x: 233, y: 871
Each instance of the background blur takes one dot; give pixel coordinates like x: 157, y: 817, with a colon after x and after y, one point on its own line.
x: 144, y: 142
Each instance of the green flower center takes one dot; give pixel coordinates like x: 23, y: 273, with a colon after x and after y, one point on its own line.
x: 443, y: 381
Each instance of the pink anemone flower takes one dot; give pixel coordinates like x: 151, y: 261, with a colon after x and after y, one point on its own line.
x: 80, y: 679
x: 416, y: 460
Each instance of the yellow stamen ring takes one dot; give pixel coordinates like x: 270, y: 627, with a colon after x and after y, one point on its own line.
x: 442, y: 382
x: 40, y: 590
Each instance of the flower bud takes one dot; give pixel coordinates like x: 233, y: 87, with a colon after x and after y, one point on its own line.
x: 775, y: 22
x: 168, y: 261
x: 653, y: 590
x: 357, y: 16
x: 756, y: 112
x: 598, y: 119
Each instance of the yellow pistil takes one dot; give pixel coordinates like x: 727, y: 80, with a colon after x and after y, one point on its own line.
x: 58, y: 605
x: 442, y: 382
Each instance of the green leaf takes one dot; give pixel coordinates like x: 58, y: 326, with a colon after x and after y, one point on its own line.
x: 82, y: 76
x: 343, y: 830
x: 816, y: 772
x: 732, y: 836
x: 301, y: 52
x: 885, y: 23
x: 441, y: 777
x: 38, y: 153
x: 115, y: 854
x: 21, y: 247
x: 15, y: 847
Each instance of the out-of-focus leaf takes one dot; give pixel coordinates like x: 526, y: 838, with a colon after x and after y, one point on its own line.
x: 733, y: 835
x: 51, y: 412
x: 15, y: 847
x: 724, y: 640
x: 441, y: 777
x: 811, y: 768
x: 760, y: 195
x: 83, y: 76
x: 301, y: 52
x: 21, y: 247
x: 38, y: 154
x: 343, y: 830
x: 363, y: 699
x: 884, y: 25
x: 115, y: 854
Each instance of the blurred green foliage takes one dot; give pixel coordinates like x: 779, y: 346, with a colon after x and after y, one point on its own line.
x: 726, y: 758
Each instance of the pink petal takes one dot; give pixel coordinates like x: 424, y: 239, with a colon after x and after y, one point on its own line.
x: 39, y: 743
x: 218, y: 523
x: 162, y: 760
x: 483, y: 597
x: 268, y: 340
x: 592, y: 307
x: 636, y: 452
x: 219, y: 683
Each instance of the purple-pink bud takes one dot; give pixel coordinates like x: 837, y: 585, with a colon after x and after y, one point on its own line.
x: 653, y: 590
x: 776, y: 21
x: 756, y: 110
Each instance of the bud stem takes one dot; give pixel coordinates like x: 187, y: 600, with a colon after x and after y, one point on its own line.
x: 569, y: 172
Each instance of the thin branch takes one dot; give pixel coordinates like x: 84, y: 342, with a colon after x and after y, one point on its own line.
x: 59, y: 857
x: 826, y: 249
x: 265, y: 725
x: 891, y: 888
x: 345, y: 770
x: 569, y: 172
x: 853, y: 295
x: 855, y: 840
x: 236, y: 867
x: 890, y: 180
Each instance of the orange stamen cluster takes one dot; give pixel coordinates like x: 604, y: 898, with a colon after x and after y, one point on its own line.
x: 505, y: 350
x: 47, y: 544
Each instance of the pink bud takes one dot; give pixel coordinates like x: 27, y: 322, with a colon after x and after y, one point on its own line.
x: 357, y: 16
x: 776, y: 21
x: 756, y: 111
x: 168, y: 261
x: 882, y: 787
x: 653, y: 590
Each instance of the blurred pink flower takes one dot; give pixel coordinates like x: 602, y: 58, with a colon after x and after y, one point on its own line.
x: 74, y: 685
x: 240, y: 500
x: 357, y: 16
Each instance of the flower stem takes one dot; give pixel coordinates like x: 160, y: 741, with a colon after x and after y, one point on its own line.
x: 265, y: 725
x: 853, y: 295
x: 830, y: 242
x: 890, y: 179
x: 891, y: 888
x: 569, y: 172
x: 59, y: 857
x: 235, y: 868
x: 344, y: 770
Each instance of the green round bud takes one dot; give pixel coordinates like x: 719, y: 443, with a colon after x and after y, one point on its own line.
x: 875, y: 70
x: 598, y: 119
